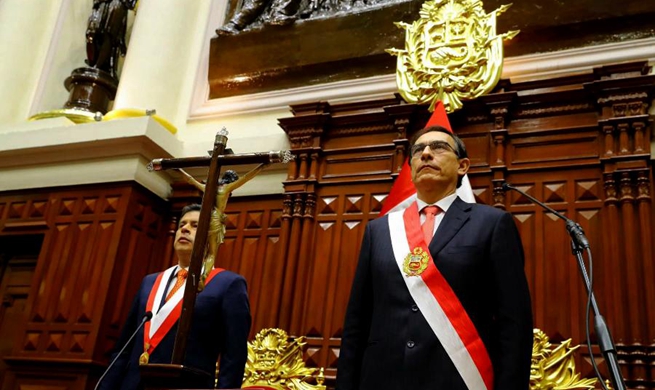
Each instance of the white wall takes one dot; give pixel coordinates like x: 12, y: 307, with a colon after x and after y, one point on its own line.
x: 67, y: 51
x: 26, y: 30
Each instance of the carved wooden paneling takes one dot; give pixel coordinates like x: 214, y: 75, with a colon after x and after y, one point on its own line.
x: 98, y: 242
x: 551, y: 148
x: 72, y: 273
x: 555, y: 281
x: 369, y: 163
x: 251, y: 249
x: 340, y: 219
x: 142, y: 249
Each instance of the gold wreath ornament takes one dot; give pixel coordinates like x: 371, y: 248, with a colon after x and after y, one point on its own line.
x: 452, y: 53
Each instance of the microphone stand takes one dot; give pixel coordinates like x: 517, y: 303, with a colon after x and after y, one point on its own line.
x: 146, y: 317
x: 579, y: 243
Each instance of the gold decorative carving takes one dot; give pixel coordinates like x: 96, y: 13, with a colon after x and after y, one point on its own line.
x: 276, y: 360
x: 451, y: 53
x: 555, y: 368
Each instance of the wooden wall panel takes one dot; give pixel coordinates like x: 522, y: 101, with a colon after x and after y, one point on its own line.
x: 60, y: 379
x: 145, y: 241
x: 553, y: 148
x: 340, y: 219
x: 575, y: 194
x: 251, y: 247
x: 99, y: 241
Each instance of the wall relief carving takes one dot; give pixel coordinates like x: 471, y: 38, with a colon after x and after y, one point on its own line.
x: 255, y: 14
x: 269, y: 45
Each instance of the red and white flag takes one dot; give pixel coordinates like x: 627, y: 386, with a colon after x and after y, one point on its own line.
x: 403, y: 192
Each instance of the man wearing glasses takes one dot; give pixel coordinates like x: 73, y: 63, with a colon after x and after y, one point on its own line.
x: 440, y: 299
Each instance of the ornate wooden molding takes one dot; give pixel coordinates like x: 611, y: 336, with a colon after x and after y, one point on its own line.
x: 95, y: 236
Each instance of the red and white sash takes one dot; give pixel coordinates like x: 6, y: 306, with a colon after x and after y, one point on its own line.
x: 439, y: 304
x: 163, y: 321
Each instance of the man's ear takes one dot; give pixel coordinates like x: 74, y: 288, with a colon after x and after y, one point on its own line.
x: 464, y: 164
x: 411, y: 170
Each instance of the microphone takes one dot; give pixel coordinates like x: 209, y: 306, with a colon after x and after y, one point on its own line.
x: 579, y: 243
x: 146, y: 318
x: 574, y: 228
x: 274, y: 156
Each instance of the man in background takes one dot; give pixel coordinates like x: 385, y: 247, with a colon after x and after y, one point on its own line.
x: 440, y: 298
x: 220, y: 325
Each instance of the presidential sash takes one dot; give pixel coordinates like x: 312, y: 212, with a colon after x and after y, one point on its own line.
x: 167, y: 316
x: 437, y: 301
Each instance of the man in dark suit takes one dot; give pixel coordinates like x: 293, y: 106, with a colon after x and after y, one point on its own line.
x: 440, y: 299
x: 220, y: 325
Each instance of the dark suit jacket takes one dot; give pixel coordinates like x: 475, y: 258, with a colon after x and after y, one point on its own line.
x: 220, y: 326
x: 387, y: 343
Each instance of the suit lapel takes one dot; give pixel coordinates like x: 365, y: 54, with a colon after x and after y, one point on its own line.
x: 455, y: 218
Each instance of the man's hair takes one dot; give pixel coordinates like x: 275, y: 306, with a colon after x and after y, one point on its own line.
x: 460, y: 148
x: 189, y: 208
x: 229, y: 176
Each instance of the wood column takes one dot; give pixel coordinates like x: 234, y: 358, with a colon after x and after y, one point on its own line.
x: 626, y: 127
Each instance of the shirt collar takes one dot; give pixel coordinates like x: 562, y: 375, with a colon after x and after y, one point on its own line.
x: 443, y: 203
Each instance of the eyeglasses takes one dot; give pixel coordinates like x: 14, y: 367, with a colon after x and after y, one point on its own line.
x: 437, y: 147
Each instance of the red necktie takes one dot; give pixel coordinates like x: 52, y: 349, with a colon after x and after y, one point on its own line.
x: 181, y: 278
x: 428, y: 225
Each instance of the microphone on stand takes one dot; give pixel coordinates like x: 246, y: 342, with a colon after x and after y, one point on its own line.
x: 579, y: 243
x: 146, y: 318
x: 575, y: 230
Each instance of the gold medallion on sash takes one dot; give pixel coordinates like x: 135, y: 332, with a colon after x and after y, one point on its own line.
x: 145, y: 356
x: 416, y: 262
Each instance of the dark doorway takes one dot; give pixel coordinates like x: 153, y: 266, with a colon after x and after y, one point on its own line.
x: 18, y: 257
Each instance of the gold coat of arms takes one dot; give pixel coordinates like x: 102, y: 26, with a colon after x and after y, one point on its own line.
x: 416, y: 262
x: 451, y: 53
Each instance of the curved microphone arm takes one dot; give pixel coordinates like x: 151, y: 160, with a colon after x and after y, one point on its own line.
x: 574, y: 228
x: 579, y: 243
x: 146, y: 317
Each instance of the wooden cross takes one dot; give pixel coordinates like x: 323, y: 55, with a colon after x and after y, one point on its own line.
x: 214, y: 161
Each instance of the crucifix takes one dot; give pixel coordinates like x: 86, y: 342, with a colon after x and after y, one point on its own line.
x: 209, y: 235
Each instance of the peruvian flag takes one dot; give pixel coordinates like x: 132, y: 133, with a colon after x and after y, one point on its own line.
x: 403, y: 193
